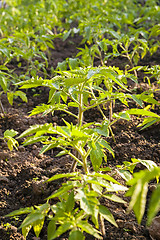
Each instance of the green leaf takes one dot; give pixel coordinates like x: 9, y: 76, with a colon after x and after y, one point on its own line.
x: 85, y: 226
x: 32, y: 139
x: 64, y: 227
x: 73, y: 81
x: 10, y: 133
x: 62, y: 66
x: 70, y: 202
x: 37, y: 226
x: 114, y: 198
x: 51, y: 229
x: 148, y: 164
x: 96, y: 156
x: 66, y: 34
x: 147, y: 122
x: 114, y: 34
x: 154, y: 205
x: 104, y: 131
x: 110, y: 75
x: 63, y: 175
x: 3, y: 83
x: 22, y: 95
x: 105, y: 176
x: 25, y: 230
x: 73, y: 104
x: 44, y: 108
x: 106, y: 214
x: 135, y: 111
x: 137, y: 100
x: 87, y: 205
x: 11, y: 142
x: 138, y: 201
x: 20, y: 212
x: 61, y: 191
x: 126, y: 175
x: 10, y: 97
x: 31, y: 218
x: 76, y: 235
x: 106, y: 145
x: 122, y: 115
x: 38, y: 129
x: 48, y: 147
x: 73, y: 63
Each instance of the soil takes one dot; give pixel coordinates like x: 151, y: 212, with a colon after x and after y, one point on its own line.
x: 22, y: 172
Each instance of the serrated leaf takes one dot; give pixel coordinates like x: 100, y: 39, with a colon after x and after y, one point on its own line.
x: 10, y: 133
x: 38, y: 129
x: 135, y: 111
x: 20, y: 211
x: 106, y: 145
x: 106, y: 214
x: 114, y: 198
x: 31, y: 218
x: 85, y: 226
x: 122, y: 115
x: 104, y: 130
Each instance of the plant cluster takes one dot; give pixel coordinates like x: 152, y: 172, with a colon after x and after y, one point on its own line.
x: 109, y: 29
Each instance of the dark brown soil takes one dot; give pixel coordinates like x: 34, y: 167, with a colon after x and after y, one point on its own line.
x: 22, y: 172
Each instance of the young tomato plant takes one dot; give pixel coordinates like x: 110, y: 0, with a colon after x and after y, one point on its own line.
x: 79, y: 205
x: 82, y: 90
x: 6, y: 80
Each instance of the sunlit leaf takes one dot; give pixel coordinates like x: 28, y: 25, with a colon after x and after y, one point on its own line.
x: 106, y: 214
x: 76, y: 235
x: 154, y: 204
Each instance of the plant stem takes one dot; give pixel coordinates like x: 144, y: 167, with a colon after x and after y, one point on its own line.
x: 110, y: 111
x: 75, y: 158
x: 1, y: 107
x: 80, y: 121
x: 102, y: 227
x: 80, y: 109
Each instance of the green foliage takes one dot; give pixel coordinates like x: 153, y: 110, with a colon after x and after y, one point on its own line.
x: 9, y: 138
x: 84, y: 191
x: 6, y: 81
x: 109, y: 29
x: 138, y: 193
